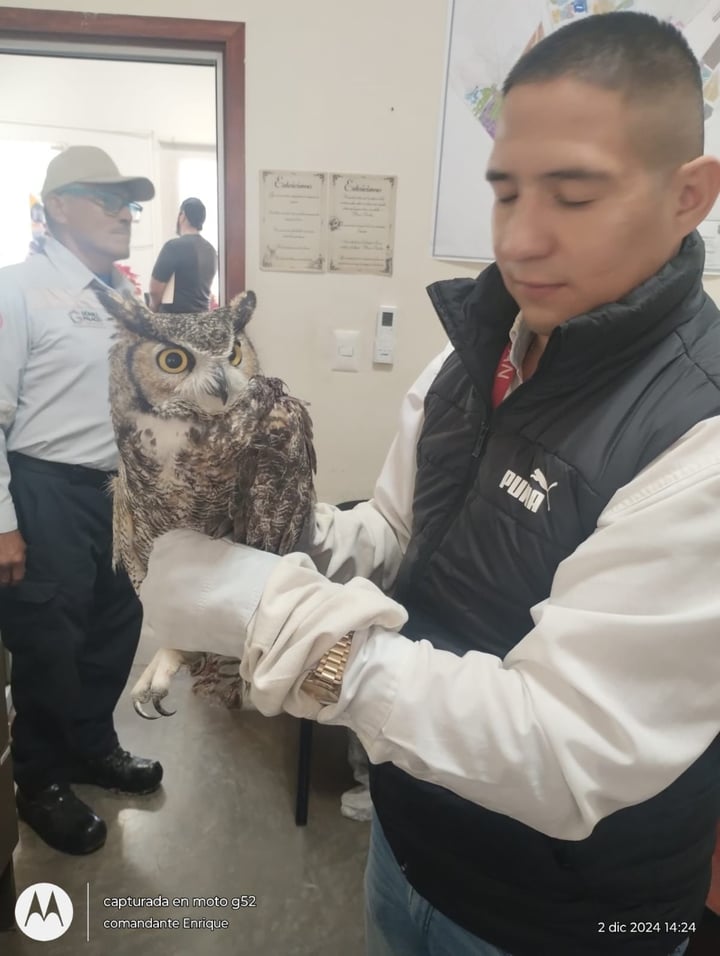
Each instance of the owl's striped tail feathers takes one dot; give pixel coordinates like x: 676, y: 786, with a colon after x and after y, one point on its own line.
x: 218, y: 678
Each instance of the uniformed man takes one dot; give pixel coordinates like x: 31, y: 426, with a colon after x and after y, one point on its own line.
x: 70, y: 621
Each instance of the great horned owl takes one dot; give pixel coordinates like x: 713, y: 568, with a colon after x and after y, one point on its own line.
x: 206, y: 442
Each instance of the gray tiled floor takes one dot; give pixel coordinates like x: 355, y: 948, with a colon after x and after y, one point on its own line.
x: 223, y: 825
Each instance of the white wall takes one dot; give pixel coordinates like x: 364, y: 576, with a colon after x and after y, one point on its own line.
x: 348, y: 87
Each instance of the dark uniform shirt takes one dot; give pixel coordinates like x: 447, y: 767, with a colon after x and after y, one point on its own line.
x: 193, y: 262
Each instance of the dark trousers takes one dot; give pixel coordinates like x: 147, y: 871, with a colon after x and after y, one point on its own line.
x: 72, y: 625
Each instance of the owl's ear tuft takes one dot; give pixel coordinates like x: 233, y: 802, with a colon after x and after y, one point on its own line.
x: 241, y: 310
x: 127, y: 310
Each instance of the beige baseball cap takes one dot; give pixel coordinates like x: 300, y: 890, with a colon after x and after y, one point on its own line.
x: 89, y: 164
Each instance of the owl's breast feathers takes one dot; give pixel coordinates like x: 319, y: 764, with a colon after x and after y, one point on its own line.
x: 174, y: 474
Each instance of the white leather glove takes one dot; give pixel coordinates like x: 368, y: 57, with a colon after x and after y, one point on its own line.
x: 300, y: 616
x: 211, y: 595
x: 200, y: 593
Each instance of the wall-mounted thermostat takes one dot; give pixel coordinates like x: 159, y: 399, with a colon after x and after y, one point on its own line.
x: 383, y: 352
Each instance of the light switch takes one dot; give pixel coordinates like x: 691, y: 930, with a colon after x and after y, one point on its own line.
x: 345, y: 351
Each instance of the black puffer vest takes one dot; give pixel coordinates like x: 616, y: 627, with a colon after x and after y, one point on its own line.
x: 501, y: 498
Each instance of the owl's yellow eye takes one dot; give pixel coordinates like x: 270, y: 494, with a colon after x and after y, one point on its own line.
x: 236, y: 354
x: 174, y: 360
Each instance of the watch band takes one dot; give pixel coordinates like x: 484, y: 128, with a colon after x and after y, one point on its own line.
x: 324, y: 682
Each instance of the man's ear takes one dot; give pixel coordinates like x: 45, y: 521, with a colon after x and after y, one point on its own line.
x: 698, y: 185
x: 55, y: 206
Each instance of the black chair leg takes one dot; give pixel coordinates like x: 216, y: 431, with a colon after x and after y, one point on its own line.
x: 303, y: 773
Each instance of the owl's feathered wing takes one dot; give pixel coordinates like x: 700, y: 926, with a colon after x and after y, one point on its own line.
x: 273, y: 502
x: 275, y: 493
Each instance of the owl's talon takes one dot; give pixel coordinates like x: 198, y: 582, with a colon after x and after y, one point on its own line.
x: 161, y: 710
x: 137, y: 707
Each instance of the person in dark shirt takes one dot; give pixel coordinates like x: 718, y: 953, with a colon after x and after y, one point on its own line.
x: 190, y: 259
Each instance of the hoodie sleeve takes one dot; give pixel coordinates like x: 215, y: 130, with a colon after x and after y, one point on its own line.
x: 605, y: 702
x: 370, y: 540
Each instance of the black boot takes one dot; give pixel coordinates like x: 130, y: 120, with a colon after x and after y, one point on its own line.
x: 120, y: 771
x: 62, y: 820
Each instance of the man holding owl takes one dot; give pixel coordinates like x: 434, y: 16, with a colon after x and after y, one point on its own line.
x: 539, y: 699
x: 69, y: 620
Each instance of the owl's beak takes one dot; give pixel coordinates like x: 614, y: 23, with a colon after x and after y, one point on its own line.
x: 219, y: 386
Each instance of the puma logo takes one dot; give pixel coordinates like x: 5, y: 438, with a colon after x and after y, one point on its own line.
x: 521, y: 489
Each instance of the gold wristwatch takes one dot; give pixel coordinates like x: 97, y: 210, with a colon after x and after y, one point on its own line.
x: 324, y: 681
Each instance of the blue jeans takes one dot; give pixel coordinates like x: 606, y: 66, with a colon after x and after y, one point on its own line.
x: 399, y: 922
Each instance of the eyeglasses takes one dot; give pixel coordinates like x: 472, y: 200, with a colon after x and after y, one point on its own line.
x: 110, y: 202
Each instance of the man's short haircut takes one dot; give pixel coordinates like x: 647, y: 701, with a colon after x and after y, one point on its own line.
x: 194, y: 211
x: 645, y: 59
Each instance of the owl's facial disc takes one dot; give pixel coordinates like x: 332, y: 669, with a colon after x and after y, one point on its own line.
x: 167, y: 372
x: 208, y: 382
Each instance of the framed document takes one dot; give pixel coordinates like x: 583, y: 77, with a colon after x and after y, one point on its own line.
x: 292, y: 221
x: 361, y: 223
